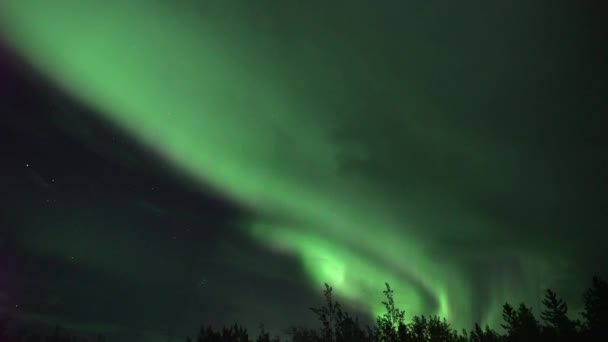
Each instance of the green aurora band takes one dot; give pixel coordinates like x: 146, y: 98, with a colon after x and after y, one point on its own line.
x: 212, y: 92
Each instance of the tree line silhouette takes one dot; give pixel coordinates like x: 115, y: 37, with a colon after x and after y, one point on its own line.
x: 337, y: 325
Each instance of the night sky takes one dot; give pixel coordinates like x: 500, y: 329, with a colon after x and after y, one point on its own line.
x: 167, y: 164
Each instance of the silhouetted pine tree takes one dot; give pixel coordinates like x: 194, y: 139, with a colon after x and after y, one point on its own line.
x: 440, y: 330
x: 483, y: 335
x: 520, y: 324
x: 338, y: 326
x: 595, y: 313
x: 558, y: 326
x: 418, y: 329
x: 207, y: 334
x: 299, y: 334
x: 234, y: 333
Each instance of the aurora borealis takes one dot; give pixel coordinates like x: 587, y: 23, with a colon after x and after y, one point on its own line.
x: 456, y: 152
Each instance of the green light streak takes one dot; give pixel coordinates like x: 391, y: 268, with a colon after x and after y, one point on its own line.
x: 212, y: 103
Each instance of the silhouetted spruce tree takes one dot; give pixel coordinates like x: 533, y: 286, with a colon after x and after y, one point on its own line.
x: 206, y: 334
x: 418, y: 329
x: 349, y: 330
x: 520, y: 324
x: 595, y: 312
x: 299, y: 334
x: 338, y: 326
x: 403, y: 333
x: 483, y: 335
x: 558, y: 326
x: 432, y: 329
x: 439, y: 330
x: 234, y: 333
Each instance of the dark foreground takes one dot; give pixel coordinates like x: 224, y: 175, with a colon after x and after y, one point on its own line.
x: 336, y: 325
